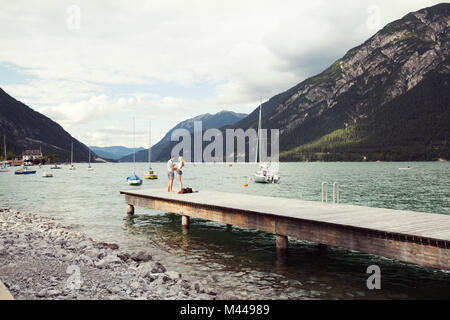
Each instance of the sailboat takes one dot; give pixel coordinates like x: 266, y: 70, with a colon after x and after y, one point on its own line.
x: 134, y: 180
x: 25, y: 170
x: 264, y: 174
x: 89, y: 166
x: 3, y: 168
x: 151, y: 174
x: 47, y: 174
x: 72, y: 167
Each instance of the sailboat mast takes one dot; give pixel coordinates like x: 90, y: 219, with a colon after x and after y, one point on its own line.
x: 259, y: 134
x: 149, y: 143
x: 134, y: 151
x: 259, y: 131
x: 4, y: 147
x: 71, y: 154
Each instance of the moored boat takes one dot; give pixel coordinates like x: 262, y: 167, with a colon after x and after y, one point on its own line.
x: 47, y: 174
x: 265, y: 174
x: 150, y: 174
x: 134, y: 180
x: 25, y: 170
x: 3, y: 167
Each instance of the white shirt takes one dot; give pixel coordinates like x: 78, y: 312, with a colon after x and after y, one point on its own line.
x: 169, y: 165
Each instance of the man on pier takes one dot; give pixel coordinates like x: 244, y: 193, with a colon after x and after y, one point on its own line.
x: 170, y: 174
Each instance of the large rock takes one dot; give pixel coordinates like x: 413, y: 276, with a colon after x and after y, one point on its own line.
x: 173, y: 275
x: 158, y: 268
x: 108, y: 262
x: 141, y: 256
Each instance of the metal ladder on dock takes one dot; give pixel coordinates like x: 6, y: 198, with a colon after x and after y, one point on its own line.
x: 336, y: 193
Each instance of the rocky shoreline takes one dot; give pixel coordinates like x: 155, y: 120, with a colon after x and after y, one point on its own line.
x: 42, y: 259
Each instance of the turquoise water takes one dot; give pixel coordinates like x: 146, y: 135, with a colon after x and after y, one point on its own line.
x: 243, y: 262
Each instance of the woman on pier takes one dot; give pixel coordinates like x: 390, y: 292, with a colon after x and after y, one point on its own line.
x: 180, y: 165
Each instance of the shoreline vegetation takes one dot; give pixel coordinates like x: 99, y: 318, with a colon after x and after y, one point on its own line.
x: 42, y: 259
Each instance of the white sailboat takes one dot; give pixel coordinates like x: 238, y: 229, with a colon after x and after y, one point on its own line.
x: 134, y: 180
x: 3, y: 168
x: 151, y: 174
x: 47, y: 174
x: 89, y: 166
x: 265, y: 174
x: 72, y: 167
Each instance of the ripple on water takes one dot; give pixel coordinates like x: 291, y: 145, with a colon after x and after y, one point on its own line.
x: 244, y: 262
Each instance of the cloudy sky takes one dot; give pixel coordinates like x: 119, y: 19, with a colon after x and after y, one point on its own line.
x: 94, y: 65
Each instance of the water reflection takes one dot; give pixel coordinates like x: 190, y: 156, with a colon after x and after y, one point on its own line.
x: 249, y: 258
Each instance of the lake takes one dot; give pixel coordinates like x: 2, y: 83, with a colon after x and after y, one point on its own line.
x: 244, y: 262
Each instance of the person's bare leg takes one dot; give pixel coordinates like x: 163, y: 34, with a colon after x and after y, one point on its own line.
x: 179, y: 181
x: 170, y: 185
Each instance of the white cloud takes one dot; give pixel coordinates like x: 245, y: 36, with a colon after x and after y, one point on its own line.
x: 240, y: 49
x: 85, y: 111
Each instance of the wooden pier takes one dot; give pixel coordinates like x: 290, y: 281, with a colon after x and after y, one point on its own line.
x: 415, y: 237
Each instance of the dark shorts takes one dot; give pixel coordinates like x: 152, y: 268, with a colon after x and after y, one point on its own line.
x: 170, y: 175
x: 179, y: 172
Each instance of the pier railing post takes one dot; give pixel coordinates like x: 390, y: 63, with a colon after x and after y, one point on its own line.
x: 335, y: 192
x: 324, y: 191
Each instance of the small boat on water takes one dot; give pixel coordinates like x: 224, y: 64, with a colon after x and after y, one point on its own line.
x: 265, y: 173
x: 55, y: 166
x: 407, y: 168
x: 72, y: 167
x: 25, y: 170
x: 150, y: 174
x: 3, y: 167
x: 89, y: 166
x: 134, y: 180
x: 47, y: 174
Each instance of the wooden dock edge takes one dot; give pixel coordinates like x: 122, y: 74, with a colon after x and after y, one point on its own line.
x: 417, y: 250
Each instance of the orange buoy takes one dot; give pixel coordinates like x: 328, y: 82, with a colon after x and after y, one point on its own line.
x: 246, y: 185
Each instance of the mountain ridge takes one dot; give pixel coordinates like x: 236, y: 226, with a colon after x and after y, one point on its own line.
x: 368, y: 76
x: 26, y: 128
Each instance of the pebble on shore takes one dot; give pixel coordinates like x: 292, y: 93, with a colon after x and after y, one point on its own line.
x: 42, y: 259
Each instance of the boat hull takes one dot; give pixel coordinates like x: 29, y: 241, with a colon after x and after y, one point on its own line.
x: 25, y: 172
x: 134, y: 182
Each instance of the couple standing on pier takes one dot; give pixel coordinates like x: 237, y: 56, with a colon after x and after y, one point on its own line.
x: 171, y: 169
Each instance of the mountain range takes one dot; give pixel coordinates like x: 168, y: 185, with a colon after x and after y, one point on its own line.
x: 161, y: 150
x: 386, y: 99
x: 113, y: 152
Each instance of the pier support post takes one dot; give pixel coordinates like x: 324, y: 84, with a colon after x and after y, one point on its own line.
x: 282, y: 243
x: 229, y: 227
x: 185, y: 222
x: 130, y: 210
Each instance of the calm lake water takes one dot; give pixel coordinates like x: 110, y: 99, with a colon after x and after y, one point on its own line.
x: 244, y: 262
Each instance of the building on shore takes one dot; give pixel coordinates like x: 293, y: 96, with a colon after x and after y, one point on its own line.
x: 32, y: 156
